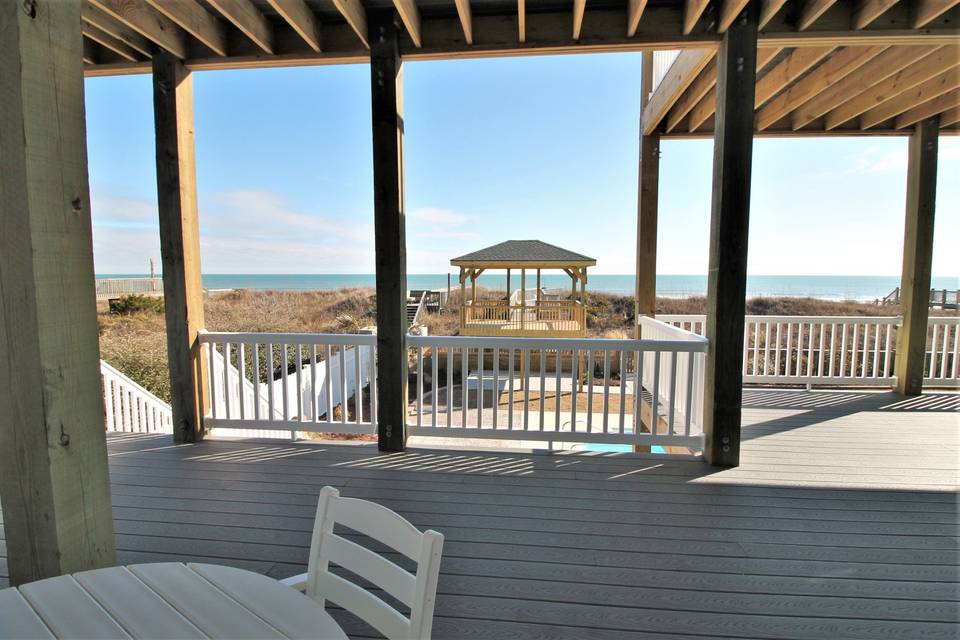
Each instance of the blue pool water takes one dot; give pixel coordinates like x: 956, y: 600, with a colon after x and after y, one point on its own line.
x: 617, y: 448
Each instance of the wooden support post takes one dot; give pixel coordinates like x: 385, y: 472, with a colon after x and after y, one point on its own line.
x: 509, y: 291
x: 54, y: 483
x: 647, y: 202
x: 386, y: 82
x: 539, y: 297
x: 523, y: 298
x: 729, y: 225
x: 583, y: 286
x: 180, y: 244
x: 917, y: 256
x: 574, y: 274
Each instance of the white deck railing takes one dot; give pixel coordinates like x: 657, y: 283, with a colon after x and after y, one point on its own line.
x: 826, y: 350
x: 291, y: 381
x: 559, y: 389
x: 129, y: 407
x: 116, y: 287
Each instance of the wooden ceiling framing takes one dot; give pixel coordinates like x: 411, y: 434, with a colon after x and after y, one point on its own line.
x: 120, y: 36
x: 824, y: 66
x: 870, y: 86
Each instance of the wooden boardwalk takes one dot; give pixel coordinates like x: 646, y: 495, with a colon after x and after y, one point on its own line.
x: 840, y: 523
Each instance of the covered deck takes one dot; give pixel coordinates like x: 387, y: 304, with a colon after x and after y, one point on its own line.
x: 839, y: 522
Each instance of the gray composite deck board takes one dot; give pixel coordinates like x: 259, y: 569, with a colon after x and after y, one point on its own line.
x: 842, y: 522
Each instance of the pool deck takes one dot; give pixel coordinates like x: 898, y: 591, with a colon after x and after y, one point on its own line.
x: 841, y: 522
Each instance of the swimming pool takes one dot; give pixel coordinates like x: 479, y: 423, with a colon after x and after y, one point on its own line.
x: 617, y: 448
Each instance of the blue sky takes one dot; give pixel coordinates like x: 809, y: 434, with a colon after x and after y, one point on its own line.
x: 535, y: 147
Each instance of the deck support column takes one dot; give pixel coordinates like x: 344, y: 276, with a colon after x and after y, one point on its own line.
x: 54, y: 483
x: 180, y: 245
x: 386, y: 92
x: 647, y: 203
x: 729, y: 227
x: 917, y: 256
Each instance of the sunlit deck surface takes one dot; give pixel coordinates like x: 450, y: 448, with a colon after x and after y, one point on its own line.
x: 840, y: 523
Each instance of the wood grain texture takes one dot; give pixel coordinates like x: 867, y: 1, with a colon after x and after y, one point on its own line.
x: 195, y: 20
x: 180, y: 245
x: 53, y: 475
x: 114, y: 27
x: 926, y: 10
x: 143, y: 19
x: 700, y: 113
x: 768, y: 9
x: 386, y: 81
x: 104, y: 39
x: 679, y: 76
x: 466, y: 19
x: 945, y: 104
x: 300, y: 16
x: 924, y: 92
x: 246, y: 17
x: 729, y: 11
x: 812, y: 10
x: 692, y: 10
x: 356, y: 16
x: 410, y: 15
x: 648, y: 189
x: 729, y: 225
x: 866, y: 11
x: 634, y: 13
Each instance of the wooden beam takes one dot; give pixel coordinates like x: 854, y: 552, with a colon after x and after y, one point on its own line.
x: 706, y: 107
x: 104, y: 39
x: 692, y: 10
x: 833, y: 71
x: 950, y: 116
x: 917, y: 256
x: 180, y: 245
x: 941, y: 104
x: 700, y: 87
x: 196, y: 21
x: 729, y: 224
x: 925, y: 91
x: 634, y: 13
x: 156, y: 27
x: 680, y: 75
x: 90, y: 49
x: 356, y: 16
x: 788, y: 70
x: 248, y: 19
x: 386, y: 81
x: 115, y: 28
x: 579, y: 7
x: 924, y: 11
x: 410, y: 16
x: 54, y: 483
x: 931, y: 65
x: 866, y: 11
x: 647, y: 207
x: 521, y: 21
x: 466, y: 19
x: 812, y: 10
x: 300, y: 17
x: 873, y: 72
x: 729, y: 11
x: 768, y: 9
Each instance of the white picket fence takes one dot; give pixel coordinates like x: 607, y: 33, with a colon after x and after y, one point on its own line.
x: 560, y: 389
x: 835, y: 351
x: 115, y: 287
x: 291, y: 382
x: 129, y: 407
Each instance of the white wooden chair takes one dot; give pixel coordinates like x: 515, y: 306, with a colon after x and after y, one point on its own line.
x: 379, y: 523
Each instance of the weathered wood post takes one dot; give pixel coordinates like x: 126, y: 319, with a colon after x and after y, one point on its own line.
x: 917, y: 256
x: 54, y: 483
x: 386, y: 92
x: 729, y: 230
x: 180, y: 245
x: 647, y: 202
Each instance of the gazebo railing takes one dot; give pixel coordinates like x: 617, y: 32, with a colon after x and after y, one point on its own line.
x: 502, y: 317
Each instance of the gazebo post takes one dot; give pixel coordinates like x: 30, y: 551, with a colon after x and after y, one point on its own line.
x: 509, y: 291
x: 538, y: 295
x: 523, y: 298
x: 647, y: 203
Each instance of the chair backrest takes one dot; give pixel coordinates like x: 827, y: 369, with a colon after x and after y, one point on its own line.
x: 417, y: 591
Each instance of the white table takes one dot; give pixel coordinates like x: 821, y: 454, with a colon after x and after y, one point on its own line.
x: 166, y: 600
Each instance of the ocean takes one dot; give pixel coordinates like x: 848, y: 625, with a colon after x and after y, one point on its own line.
x: 828, y: 287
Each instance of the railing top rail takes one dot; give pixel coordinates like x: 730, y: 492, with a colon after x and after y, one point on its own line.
x: 509, y: 342
x: 346, y: 339
x: 675, y: 332
x: 106, y: 367
x: 761, y: 318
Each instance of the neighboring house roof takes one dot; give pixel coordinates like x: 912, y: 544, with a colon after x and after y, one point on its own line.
x: 524, y: 253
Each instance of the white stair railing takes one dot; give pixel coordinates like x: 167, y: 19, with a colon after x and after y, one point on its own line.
x: 129, y: 407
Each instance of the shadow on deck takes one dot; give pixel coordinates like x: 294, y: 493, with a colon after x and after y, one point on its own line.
x: 840, y: 522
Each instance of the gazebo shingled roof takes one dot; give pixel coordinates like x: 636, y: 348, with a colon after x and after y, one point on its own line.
x: 524, y: 253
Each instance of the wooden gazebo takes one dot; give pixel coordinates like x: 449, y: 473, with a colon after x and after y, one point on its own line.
x: 516, y: 315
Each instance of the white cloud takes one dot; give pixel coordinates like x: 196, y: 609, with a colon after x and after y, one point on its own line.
x: 874, y: 160
x: 111, y: 209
